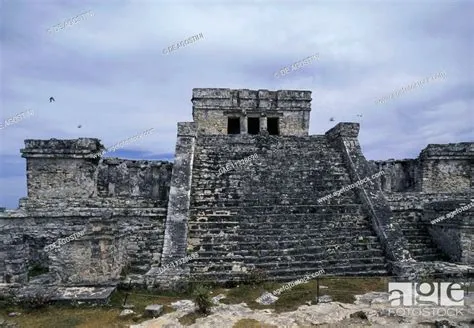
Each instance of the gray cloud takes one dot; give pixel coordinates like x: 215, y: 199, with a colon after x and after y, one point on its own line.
x: 108, y: 74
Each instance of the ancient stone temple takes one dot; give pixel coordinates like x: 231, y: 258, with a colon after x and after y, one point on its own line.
x: 249, y: 188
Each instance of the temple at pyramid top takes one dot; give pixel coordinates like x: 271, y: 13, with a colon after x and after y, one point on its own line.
x: 218, y: 111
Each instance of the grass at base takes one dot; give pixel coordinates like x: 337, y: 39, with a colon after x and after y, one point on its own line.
x: 61, y: 316
x: 340, y: 289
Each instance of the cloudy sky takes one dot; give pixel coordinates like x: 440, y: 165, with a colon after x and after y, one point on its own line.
x: 108, y: 72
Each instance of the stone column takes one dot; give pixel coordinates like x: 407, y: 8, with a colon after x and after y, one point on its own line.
x: 243, y: 124
x: 263, y: 124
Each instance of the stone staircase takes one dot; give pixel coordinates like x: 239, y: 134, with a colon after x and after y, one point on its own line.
x: 266, y: 215
x: 420, y: 244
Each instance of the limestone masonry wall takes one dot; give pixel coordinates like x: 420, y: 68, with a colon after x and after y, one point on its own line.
x: 134, y: 178
x: 448, y: 168
x: 60, y: 168
x: 211, y: 107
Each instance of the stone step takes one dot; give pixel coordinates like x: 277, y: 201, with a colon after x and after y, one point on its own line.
x: 314, y: 218
x: 268, y: 266
x: 415, y: 233
x: 200, y: 201
x: 354, y: 209
x: 423, y: 245
x: 271, y: 256
x: 217, y: 153
x: 280, y: 234
x: 317, y: 248
x: 428, y: 258
x: 252, y: 196
x: 288, y: 248
x: 419, y: 239
x: 425, y: 251
x: 209, y: 186
x: 343, y: 270
x: 232, y: 183
x: 307, y: 222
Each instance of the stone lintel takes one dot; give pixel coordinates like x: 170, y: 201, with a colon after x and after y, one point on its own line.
x: 54, y: 148
x: 462, y: 150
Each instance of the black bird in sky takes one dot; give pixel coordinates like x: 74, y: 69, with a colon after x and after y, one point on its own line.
x: 51, y: 99
x: 331, y: 119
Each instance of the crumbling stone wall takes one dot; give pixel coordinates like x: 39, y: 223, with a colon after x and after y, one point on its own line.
x: 448, y: 168
x: 211, y: 107
x: 120, y: 204
x: 134, y: 178
x: 455, y: 235
x: 439, y: 168
x: 117, y: 239
x: 60, y: 168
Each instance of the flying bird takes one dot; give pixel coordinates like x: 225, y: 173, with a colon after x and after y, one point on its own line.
x: 79, y: 126
x: 359, y: 115
x: 51, y: 99
x: 331, y: 119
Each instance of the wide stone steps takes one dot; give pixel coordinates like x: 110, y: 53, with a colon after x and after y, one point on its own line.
x: 222, y: 215
x: 429, y: 258
x: 272, y: 266
x: 260, y: 152
x: 210, y: 201
x: 267, y: 214
x: 420, y: 244
x: 315, y: 253
x: 221, y: 183
x: 372, y: 248
x: 230, y: 181
x: 311, y: 185
x: 354, y: 209
x: 280, y: 234
x: 415, y: 232
x: 281, y: 246
x: 265, y: 223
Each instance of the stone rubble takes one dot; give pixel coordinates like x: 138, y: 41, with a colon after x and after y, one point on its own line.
x: 372, y: 306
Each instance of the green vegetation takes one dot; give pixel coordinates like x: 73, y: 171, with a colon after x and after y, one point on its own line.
x: 60, y: 316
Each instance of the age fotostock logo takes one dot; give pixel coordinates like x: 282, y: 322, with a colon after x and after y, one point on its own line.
x: 425, y: 293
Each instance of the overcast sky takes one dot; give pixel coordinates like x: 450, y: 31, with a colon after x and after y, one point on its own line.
x: 108, y: 72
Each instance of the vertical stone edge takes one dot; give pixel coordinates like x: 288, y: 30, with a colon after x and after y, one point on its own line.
x: 175, y: 238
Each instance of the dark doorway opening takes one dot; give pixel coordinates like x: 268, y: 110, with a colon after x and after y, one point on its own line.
x: 253, y: 125
x: 233, y: 125
x: 272, y: 126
